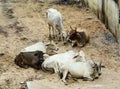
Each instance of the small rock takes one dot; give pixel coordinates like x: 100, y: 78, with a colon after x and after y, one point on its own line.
x: 36, y: 85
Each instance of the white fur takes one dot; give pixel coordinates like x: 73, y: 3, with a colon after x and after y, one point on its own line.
x: 39, y: 46
x: 54, y: 19
x: 82, y: 56
x: 52, y: 62
x: 77, y: 69
x: 74, y: 63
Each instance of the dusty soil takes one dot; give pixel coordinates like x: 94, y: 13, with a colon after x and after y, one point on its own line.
x: 29, y: 26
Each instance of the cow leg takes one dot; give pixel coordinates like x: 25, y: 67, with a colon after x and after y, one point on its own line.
x: 58, y: 34
x: 54, y: 31
x: 88, y: 77
x: 50, y: 32
x: 56, y: 69
x: 64, y: 76
x: 61, y: 36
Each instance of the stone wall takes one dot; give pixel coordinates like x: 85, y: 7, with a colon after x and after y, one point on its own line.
x: 107, y: 12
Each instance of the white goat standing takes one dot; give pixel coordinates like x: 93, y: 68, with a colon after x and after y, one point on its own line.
x: 54, y: 19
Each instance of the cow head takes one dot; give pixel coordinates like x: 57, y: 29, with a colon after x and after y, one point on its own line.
x: 51, y: 48
x: 97, y: 69
x: 71, y: 34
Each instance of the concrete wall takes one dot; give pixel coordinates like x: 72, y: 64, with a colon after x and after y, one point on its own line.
x: 119, y: 4
x: 107, y: 11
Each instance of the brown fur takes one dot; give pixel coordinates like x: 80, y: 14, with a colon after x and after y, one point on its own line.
x: 79, y: 38
x: 33, y: 59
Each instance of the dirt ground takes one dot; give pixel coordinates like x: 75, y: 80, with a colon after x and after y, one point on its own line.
x: 29, y: 26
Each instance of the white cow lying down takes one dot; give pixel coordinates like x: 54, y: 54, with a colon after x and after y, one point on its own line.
x: 41, y: 46
x: 82, y: 69
x: 52, y: 61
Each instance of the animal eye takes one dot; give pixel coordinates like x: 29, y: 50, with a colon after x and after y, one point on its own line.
x: 35, y: 54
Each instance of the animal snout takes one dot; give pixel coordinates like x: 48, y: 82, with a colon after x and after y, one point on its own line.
x: 65, y: 42
x: 100, y: 74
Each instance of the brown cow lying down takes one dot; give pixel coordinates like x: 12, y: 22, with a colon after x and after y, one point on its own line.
x: 33, y: 59
x: 78, y: 38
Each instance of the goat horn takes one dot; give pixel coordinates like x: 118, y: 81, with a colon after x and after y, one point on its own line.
x: 76, y: 28
x: 71, y: 27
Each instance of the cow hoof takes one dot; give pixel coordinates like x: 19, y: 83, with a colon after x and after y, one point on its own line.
x: 74, y: 79
x: 85, y: 79
x: 65, y: 83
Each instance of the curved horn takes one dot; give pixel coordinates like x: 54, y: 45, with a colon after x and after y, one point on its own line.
x: 71, y: 28
x: 103, y: 66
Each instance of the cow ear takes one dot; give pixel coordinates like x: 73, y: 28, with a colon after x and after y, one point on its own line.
x: 102, y: 66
